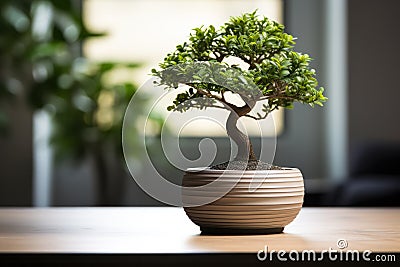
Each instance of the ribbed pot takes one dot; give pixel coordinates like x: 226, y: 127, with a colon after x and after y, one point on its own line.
x: 242, y: 202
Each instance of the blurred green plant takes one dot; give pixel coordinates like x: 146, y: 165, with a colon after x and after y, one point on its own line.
x: 41, y: 60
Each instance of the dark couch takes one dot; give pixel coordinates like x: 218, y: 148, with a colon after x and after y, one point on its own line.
x: 374, y: 177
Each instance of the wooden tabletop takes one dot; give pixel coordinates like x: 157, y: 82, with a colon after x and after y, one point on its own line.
x: 168, y: 230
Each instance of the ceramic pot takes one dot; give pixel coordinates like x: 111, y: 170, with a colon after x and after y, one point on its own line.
x: 242, y: 202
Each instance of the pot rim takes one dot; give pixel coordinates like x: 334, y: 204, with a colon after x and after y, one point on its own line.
x: 208, y: 170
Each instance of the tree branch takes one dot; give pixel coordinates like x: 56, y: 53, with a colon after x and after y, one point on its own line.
x: 219, y: 57
x: 207, y: 93
x: 259, y: 59
x: 261, y: 117
x: 277, y: 96
x: 238, y: 110
x: 241, y: 111
x: 208, y: 106
x: 256, y: 118
x: 223, y: 95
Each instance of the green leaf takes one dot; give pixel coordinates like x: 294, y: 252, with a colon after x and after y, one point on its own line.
x: 285, y: 73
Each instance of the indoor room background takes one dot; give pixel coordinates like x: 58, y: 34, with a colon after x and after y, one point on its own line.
x: 69, y: 68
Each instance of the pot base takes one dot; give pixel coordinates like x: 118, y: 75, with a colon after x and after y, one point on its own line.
x: 238, y: 231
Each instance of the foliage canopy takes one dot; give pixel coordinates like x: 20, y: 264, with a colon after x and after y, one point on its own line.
x: 281, y: 75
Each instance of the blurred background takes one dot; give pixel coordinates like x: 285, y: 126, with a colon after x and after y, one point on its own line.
x: 69, y: 68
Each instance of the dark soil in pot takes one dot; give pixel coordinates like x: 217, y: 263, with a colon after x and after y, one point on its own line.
x: 245, y: 165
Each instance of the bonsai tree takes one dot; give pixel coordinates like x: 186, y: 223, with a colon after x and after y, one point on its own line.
x: 274, y: 73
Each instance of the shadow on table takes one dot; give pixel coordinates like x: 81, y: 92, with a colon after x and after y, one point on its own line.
x: 246, y: 243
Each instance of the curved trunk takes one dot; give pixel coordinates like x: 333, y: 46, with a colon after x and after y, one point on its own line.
x: 245, y: 148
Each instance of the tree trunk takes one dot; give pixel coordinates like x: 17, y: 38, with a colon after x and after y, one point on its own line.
x: 245, y: 148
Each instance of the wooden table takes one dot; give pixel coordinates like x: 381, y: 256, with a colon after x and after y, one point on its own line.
x: 167, y: 231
